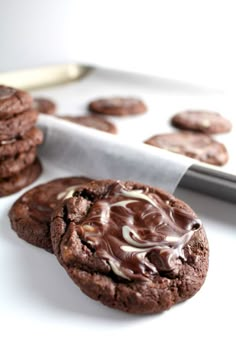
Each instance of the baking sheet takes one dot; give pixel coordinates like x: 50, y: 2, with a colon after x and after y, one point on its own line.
x: 164, y: 98
x: 41, y: 310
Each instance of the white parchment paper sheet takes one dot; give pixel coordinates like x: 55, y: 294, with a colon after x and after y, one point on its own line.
x: 99, y: 155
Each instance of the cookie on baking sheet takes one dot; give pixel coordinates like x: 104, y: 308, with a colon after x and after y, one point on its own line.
x: 195, y: 145
x: 118, y: 106
x: 44, y: 105
x: 31, y: 213
x: 17, y: 145
x: 21, y: 180
x: 93, y: 121
x: 13, y: 165
x: 18, y: 124
x: 133, y: 247
x: 13, y: 101
x: 202, y: 121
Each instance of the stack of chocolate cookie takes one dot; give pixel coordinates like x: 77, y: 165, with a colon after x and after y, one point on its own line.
x: 19, y: 138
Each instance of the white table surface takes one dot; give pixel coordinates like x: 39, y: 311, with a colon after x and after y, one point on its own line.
x: 42, y: 310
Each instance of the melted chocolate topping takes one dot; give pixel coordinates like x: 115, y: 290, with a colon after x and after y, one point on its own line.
x: 137, y: 232
x: 42, y: 200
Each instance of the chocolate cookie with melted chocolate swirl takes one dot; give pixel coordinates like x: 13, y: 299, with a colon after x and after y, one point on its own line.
x: 30, y: 215
x: 195, y: 145
x: 133, y: 247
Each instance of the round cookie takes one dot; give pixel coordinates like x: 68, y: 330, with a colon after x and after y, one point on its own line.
x: 195, y: 145
x: 17, y: 124
x: 30, y: 139
x: 202, y: 121
x: 44, y: 105
x: 118, y: 106
x: 31, y: 213
x: 21, y: 180
x: 13, y: 101
x: 93, y: 121
x: 133, y: 247
x: 13, y: 165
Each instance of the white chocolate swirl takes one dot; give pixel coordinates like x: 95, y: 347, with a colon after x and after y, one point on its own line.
x: 138, y: 233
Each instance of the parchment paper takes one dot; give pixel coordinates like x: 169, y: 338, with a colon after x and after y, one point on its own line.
x: 99, y: 155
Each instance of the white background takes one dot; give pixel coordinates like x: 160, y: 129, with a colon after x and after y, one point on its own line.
x: 186, y: 40
x: 36, y: 33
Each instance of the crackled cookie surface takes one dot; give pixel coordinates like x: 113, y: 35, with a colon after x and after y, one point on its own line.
x: 31, y: 213
x: 118, y: 106
x: 13, y: 101
x: 44, y: 105
x: 132, y: 247
x: 202, y: 121
x: 198, y: 146
x: 25, y: 177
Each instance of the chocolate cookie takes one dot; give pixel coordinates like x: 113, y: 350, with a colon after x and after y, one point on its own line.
x: 13, y: 101
x: 202, y: 121
x: 118, y: 106
x: 93, y: 121
x: 132, y: 247
x: 30, y: 139
x: 13, y: 165
x: 31, y: 213
x: 196, y: 145
x: 44, y: 105
x: 18, y: 124
x: 21, y: 180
